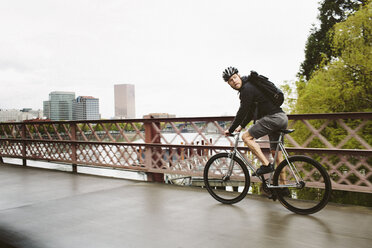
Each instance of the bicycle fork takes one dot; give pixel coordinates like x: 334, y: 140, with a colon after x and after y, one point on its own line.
x: 230, y: 168
x: 231, y: 165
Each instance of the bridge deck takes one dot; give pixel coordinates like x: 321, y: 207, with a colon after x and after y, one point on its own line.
x: 42, y: 208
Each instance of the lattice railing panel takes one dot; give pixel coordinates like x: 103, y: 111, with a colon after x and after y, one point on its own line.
x: 347, y: 172
x: 332, y: 134
x: 11, y: 131
x: 111, y: 132
x: 186, y: 160
x: 11, y: 148
x: 188, y: 132
x: 47, y: 131
x: 181, y: 146
x: 49, y: 151
x: 112, y: 155
x: 183, y: 161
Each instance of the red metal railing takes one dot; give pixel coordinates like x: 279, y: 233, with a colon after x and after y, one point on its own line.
x: 181, y: 146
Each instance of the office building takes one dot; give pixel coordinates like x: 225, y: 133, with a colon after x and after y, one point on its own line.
x: 86, y: 108
x: 59, y: 106
x: 15, y: 115
x: 124, y: 101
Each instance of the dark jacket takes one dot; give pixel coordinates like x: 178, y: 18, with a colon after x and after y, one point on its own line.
x: 250, y: 97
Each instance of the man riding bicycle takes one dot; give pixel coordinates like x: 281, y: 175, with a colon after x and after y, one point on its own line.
x: 254, y: 104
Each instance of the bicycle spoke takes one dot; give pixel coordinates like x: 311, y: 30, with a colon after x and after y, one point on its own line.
x: 226, y: 187
x: 311, y: 194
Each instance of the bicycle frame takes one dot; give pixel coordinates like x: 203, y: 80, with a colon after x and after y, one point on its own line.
x: 280, y: 146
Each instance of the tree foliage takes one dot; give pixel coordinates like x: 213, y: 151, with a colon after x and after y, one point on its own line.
x: 341, y: 84
x: 344, y: 83
x: 318, y: 47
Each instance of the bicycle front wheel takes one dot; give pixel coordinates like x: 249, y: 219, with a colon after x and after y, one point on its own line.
x: 226, y: 188
x: 314, y: 188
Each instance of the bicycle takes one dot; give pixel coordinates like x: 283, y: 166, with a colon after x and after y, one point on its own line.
x: 300, y: 183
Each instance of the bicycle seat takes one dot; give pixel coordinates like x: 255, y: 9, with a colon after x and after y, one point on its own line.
x: 287, y: 131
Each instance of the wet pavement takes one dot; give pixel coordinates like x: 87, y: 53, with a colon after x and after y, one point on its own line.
x: 43, y: 208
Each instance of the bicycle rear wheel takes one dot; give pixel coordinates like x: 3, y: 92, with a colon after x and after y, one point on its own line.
x: 315, y: 189
x: 226, y: 189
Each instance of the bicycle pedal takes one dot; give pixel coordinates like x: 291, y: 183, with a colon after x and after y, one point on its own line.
x: 268, y: 193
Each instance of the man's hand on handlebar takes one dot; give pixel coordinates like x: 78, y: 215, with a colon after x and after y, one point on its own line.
x: 237, y: 130
x: 227, y: 133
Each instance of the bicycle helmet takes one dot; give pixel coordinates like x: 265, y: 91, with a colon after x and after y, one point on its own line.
x: 229, y: 72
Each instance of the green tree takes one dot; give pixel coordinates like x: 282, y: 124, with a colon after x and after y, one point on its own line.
x: 343, y: 84
x: 318, y: 48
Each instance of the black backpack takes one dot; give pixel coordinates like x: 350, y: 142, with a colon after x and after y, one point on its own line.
x: 267, y: 87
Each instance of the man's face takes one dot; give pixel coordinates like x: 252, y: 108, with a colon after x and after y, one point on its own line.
x: 235, y: 82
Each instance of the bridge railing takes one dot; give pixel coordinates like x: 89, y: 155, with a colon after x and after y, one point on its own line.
x: 180, y: 147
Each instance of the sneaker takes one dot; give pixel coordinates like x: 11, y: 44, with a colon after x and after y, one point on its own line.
x: 265, y: 169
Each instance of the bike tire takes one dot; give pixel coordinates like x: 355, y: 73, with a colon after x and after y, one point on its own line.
x: 228, y: 191
x: 316, y: 191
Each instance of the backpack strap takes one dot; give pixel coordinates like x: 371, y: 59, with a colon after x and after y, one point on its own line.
x: 255, y: 114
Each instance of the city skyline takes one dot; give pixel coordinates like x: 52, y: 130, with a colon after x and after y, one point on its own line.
x: 173, y: 51
x: 18, y: 115
x: 62, y: 105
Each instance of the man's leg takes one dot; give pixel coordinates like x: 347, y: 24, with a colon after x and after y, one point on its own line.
x: 279, y: 159
x: 255, y: 148
x: 265, y: 125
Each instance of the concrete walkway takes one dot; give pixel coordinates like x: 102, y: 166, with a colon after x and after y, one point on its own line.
x: 43, y: 208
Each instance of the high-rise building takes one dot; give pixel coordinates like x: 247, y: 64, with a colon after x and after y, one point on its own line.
x: 124, y: 101
x: 59, y: 106
x: 86, y: 108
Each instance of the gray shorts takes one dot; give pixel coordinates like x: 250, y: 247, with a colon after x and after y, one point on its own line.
x: 269, y: 125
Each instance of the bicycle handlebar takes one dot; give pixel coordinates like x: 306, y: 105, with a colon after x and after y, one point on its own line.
x: 233, y: 134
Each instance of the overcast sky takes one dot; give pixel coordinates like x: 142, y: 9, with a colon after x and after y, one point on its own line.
x: 172, y: 51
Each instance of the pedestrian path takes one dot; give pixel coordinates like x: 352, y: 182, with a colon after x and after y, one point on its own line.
x: 43, y: 208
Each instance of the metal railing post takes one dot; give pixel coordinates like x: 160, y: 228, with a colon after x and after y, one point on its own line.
x: 73, y: 148
x: 23, y: 136
x: 151, y: 152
